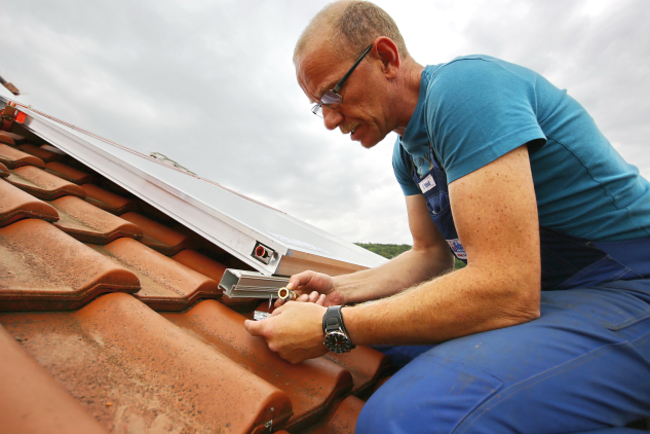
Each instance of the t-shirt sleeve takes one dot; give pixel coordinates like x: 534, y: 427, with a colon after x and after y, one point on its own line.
x: 401, y: 170
x: 478, y: 110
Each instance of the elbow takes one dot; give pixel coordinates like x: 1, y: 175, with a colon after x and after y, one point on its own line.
x: 523, y: 298
x: 525, y: 305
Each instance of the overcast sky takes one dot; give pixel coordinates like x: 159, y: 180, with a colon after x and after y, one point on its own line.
x: 211, y: 85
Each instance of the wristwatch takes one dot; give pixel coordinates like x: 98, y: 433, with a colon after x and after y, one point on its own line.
x: 337, y: 339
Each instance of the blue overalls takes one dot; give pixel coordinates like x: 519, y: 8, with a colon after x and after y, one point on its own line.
x: 583, y: 366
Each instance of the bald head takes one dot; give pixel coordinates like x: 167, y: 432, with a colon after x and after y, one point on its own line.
x: 349, y: 27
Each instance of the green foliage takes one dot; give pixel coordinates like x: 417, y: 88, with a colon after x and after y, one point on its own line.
x: 458, y: 264
x: 391, y: 250
x: 386, y: 250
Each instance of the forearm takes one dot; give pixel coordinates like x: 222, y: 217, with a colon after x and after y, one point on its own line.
x: 467, y: 301
x: 406, y: 270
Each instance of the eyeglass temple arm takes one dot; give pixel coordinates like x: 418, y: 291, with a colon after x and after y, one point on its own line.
x: 345, y: 77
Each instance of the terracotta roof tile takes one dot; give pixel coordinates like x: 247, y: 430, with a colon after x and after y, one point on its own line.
x: 44, y: 269
x: 16, y: 205
x: 4, y: 171
x: 157, y: 236
x: 89, y: 224
x: 214, y: 270
x: 44, y: 154
x: 6, y: 138
x: 106, y: 200
x: 365, y: 364
x: 201, y: 263
x: 340, y: 420
x: 166, y: 284
x: 42, y: 184
x: 134, y: 371
x: 311, y: 385
x: 13, y: 158
x: 32, y: 401
x: 17, y: 138
x: 68, y: 173
x: 54, y: 149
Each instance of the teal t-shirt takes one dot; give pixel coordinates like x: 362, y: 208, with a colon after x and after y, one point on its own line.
x: 475, y: 109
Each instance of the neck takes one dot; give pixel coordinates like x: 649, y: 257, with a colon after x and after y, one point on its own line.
x: 408, y: 94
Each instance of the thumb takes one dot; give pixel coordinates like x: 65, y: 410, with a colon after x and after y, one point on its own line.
x: 253, y: 327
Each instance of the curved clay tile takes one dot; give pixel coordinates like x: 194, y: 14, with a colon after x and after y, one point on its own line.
x: 68, y: 173
x: 43, y: 185
x: 41, y: 268
x: 158, y: 236
x: 54, y: 149
x: 5, y: 138
x: 89, y: 224
x: 106, y: 200
x: 13, y: 158
x: 214, y: 270
x: 17, y: 138
x: 341, y: 419
x: 4, y: 171
x: 43, y: 154
x: 134, y: 371
x: 312, y: 385
x: 33, y: 402
x: 365, y: 364
x: 166, y: 284
x: 16, y: 205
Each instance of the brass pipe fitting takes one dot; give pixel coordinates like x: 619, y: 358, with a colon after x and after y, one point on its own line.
x: 285, y: 294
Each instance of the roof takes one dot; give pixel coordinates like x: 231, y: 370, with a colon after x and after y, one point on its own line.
x: 111, y: 319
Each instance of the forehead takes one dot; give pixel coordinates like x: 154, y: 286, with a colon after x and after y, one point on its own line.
x: 317, y: 70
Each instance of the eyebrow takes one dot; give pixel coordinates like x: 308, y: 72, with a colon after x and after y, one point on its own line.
x: 324, y: 89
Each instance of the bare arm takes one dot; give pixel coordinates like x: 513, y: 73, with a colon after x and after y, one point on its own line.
x: 496, y: 218
x: 429, y: 257
x: 495, y: 213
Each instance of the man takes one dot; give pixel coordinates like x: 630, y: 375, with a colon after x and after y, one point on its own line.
x: 547, y: 328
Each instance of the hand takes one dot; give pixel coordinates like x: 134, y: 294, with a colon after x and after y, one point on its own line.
x: 294, y: 331
x: 314, y: 287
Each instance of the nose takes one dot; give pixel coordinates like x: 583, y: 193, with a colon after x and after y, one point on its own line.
x: 331, y: 118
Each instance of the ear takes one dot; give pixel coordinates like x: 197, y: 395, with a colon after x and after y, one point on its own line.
x: 386, y: 50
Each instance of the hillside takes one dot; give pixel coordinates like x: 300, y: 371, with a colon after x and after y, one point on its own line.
x: 391, y: 250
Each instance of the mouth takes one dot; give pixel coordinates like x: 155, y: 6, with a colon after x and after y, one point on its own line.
x: 349, y: 128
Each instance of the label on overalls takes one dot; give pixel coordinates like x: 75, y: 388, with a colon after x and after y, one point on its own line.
x: 427, y: 184
x: 457, y: 248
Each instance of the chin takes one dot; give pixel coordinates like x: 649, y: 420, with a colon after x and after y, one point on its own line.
x: 368, y: 145
x: 369, y: 142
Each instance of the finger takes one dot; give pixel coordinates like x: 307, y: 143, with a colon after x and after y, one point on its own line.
x: 279, y: 302
x: 313, y: 296
x: 276, y: 311
x: 300, y: 279
x: 253, y: 327
x: 321, y: 300
x: 303, y: 297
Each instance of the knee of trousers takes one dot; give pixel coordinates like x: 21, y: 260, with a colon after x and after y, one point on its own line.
x: 430, y: 395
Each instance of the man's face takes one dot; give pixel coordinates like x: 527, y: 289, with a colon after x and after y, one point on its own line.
x: 362, y: 112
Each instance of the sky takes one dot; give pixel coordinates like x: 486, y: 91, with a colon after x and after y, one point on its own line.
x: 211, y: 84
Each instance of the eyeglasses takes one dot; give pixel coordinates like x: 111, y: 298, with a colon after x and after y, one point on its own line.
x: 332, y: 99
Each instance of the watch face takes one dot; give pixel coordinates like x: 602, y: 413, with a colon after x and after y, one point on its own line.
x: 337, y: 342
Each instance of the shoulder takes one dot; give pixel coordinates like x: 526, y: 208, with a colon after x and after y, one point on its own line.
x: 476, y: 75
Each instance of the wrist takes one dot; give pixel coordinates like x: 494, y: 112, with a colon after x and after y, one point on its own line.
x: 336, y: 337
x: 339, y: 289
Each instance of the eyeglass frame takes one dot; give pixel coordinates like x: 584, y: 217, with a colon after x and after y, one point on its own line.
x: 317, y: 108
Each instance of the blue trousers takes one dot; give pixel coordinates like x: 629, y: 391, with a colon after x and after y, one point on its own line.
x: 583, y: 366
